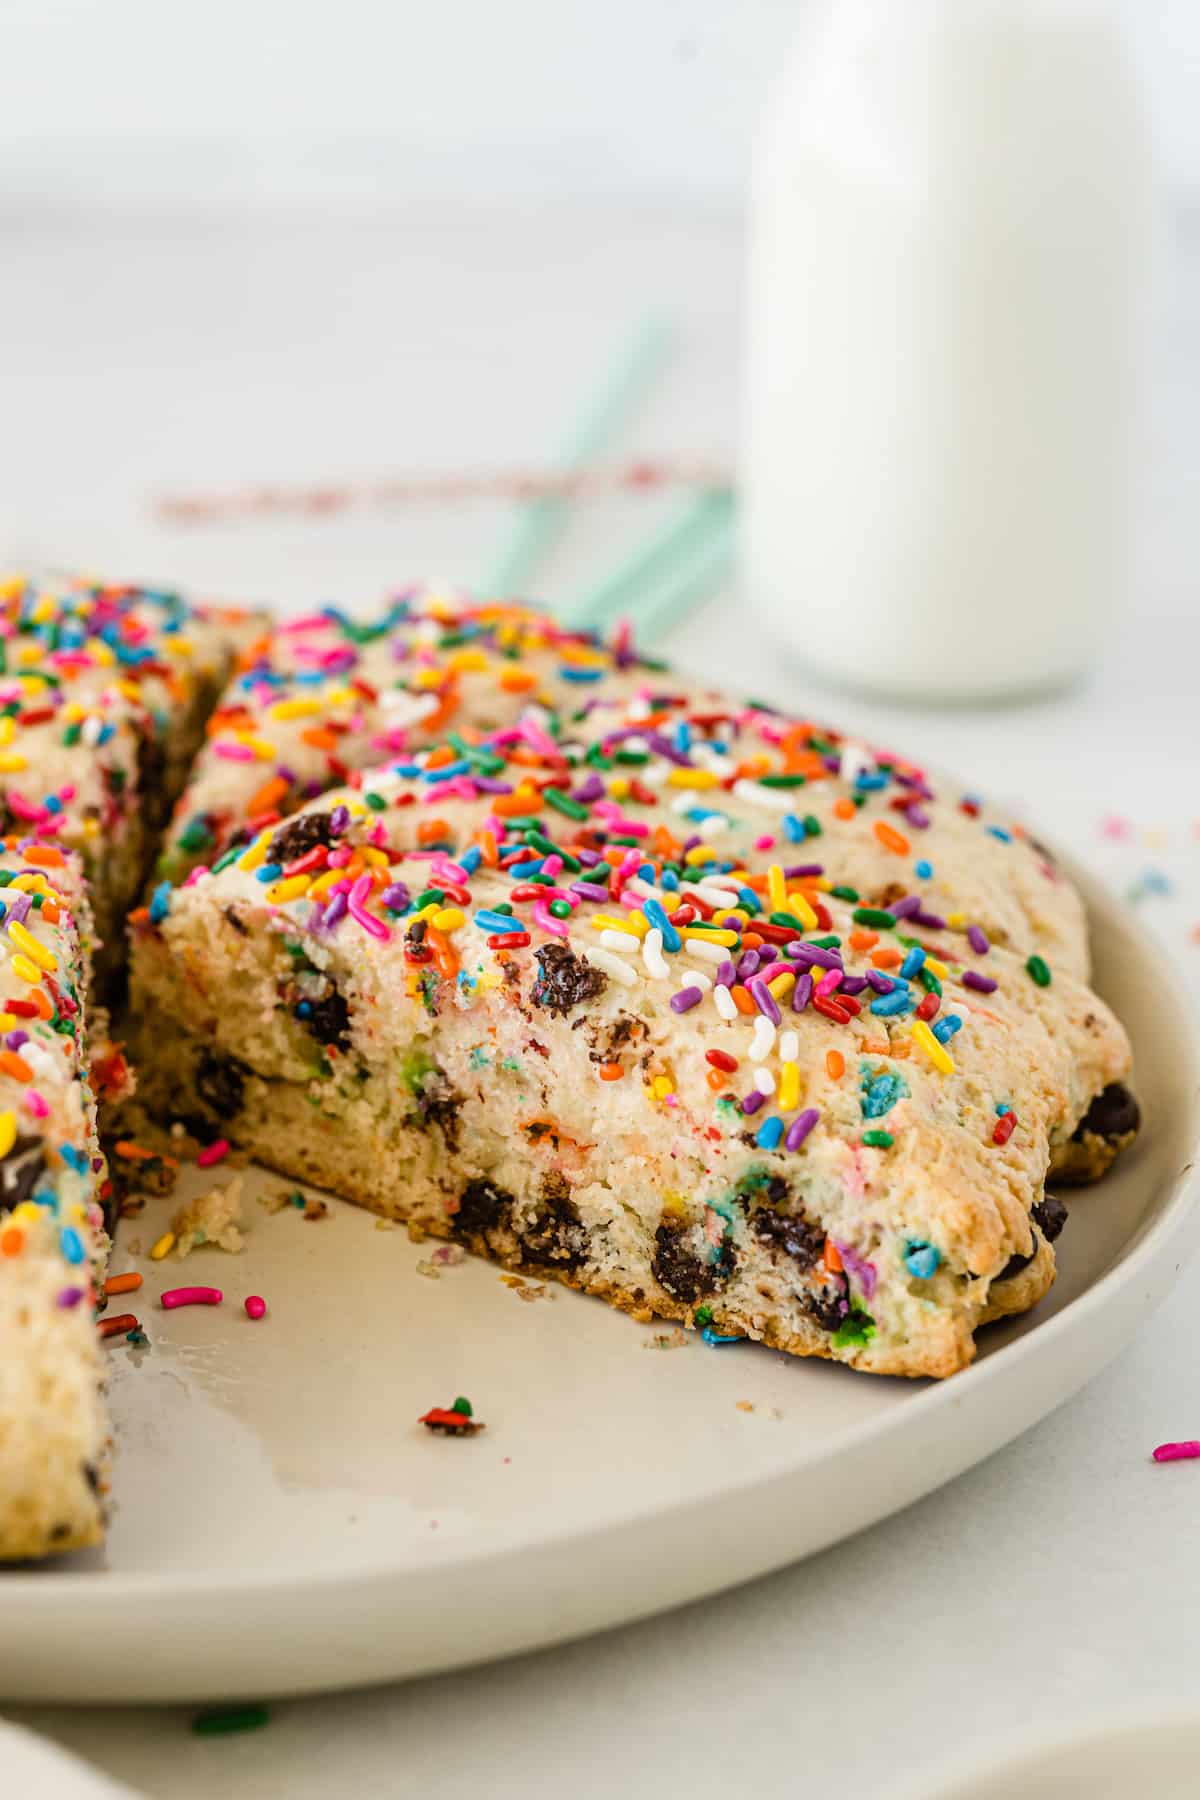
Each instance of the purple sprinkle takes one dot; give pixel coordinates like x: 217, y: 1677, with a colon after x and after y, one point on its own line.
x: 747, y: 964
x: 978, y: 940
x: 589, y: 790
x: 70, y: 1296
x: 15, y: 1039
x: 18, y: 909
x: 801, y: 952
x: 906, y: 908
x: 666, y: 748
x: 883, y: 984
x: 589, y: 890
x: 685, y: 999
x: 335, y: 912
x: 315, y: 921
x: 726, y: 974
x: 800, y: 1126
x: 690, y: 843
x: 802, y: 992
x: 833, y: 763
x: 853, y: 985
x: 589, y: 858
x: 864, y: 1272
x: 765, y: 1000
x: 397, y: 894
x: 931, y: 921
x: 753, y: 1101
x: 339, y: 818
x: 983, y: 984
x: 490, y: 784
x: 798, y: 871
x: 917, y: 817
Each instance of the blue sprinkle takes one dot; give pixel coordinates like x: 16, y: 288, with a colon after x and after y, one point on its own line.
x: 881, y: 1095
x: 653, y: 910
x: 769, y: 1133
x: 945, y: 1028
x: 521, y: 869
x: 997, y: 831
x: 1003, y: 1107
x: 869, y: 781
x: 493, y: 923
x: 76, y: 1158
x: 570, y: 672
x: 470, y: 859
x: 52, y: 803
x: 793, y: 829
x: 887, y: 1005
x: 921, y: 1259
x: 716, y: 1339
x: 409, y: 770
x: 913, y: 962
x: 304, y: 1009
x: 71, y: 1244
x: 106, y: 731
x: 923, y: 869
x: 160, y: 903
x: 448, y: 771
x: 749, y: 899
x: 648, y: 872
x: 683, y: 736
x: 670, y: 881
x: 268, y: 872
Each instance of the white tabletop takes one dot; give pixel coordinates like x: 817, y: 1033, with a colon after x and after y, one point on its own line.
x: 1054, y: 1585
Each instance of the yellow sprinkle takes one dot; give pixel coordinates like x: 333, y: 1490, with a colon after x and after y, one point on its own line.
x: 104, y: 654
x: 7, y: 727
x: 956, y: 920
x: 30, y: 653
x: 290, y: 888
x: 262, y: 748
x: 661, y: 1086
x: 26, y: 970
x: 489, y: 979
x: 776, y: 888
x: 788, y: 1097
x: 341, y: 696
x: 693, y: 778
x: 43, y: 610
x: 90, y: 828
x: 11, y: 761
x: 710, y: 937
x: 28, y: 1212
x: 634, y: 924
x: 29, y: 882
x: 798, y: 906
x: 181, y: 646
x: 8, y: 1021
x: 256, y: 855
x: 45, y: 959
x: 322, y: 883
x: 937, y: 1053
x: 701, y: 853
x: 8, y: 1131
x: 782, y: 984
x: 424, y: 678
x: 449, y: 918
x: 618, y: 787
x: 376, y: 858
x: 356, y: 807
x: 427, y: 912
x: 731, y: 915
x: 467, y: 662
x: 823, y: 884
x: 130, y: 689
x: 294, y: 709
x: 936, y: 968
x: 164, y: 1246
x: 73, y: 713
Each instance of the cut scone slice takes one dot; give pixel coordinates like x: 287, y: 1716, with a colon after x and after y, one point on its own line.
x: 53, y: 1429
x: 508, y: 1017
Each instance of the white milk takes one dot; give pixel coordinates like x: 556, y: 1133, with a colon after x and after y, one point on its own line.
x: 948, y: 255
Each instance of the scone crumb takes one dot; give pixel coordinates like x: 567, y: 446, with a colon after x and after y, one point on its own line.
x: 212, y: 1218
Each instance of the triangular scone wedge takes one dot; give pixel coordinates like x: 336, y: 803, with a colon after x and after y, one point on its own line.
x: 489, y: 1001
x: 321, y: 696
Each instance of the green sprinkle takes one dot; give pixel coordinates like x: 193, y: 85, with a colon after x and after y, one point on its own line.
x: 785, y: 918
x: 72, y: 735
x: 812, y: 824
x: 563, y: 803
x: 878, y: 1140
x: 858, y: 1327
x: 845, y: 893
x: 195, y: 835
x: 635, y: 759
x: 874, y: 916
x: 782, y: 781
x: 230, y: 856
x: 219, y: 1721
x: 560, y: 909
x: 430, y: 894
x: 702, y: 1315
x: 1039, y: 970
x: 832, y: 942
x: 929, y: 981
x: 463, y: 1405
x: 376, y: 802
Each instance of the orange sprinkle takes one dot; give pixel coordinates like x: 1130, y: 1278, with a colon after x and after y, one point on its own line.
x: 114, y: 1327
x: 833, y: 1261
x: 835, y: 1064
x: 14, y: 1065
x: 430, y: 830
x: 140, y: 915
x: 743, y: 1000
x: 716, y: 1079
x: 517, y: 681
x: 318, y: 738
x: 444, y: 958
x: 863, y: 940
x: 611, y: 1071
x: 437, y: 759
x: 51, y: 911
x: 40, y: 1000
x: 269, y: 795
x: 123, y: 1284
x: 134, y: 1153
x: 511, y: 806
x: 875, y: 1047
x: 844, y: 809
x: 751, y: 940
x: 891, y: 839
x: 487, y: 843
x: 887, y: 958
x: 11, y: 1241
x: 44, y: 856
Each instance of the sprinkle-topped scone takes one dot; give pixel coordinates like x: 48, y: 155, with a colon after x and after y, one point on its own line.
x: 53, y: 1432
x: 103, y: 695
x: 322, y: 696
x: 600, y: 997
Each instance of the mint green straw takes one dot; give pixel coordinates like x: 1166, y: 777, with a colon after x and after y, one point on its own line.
x: 686, y: 586
x: 541, y: 522
x: 631, y: 587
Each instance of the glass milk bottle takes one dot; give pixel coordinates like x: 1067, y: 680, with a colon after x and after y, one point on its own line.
x: 948, y: 250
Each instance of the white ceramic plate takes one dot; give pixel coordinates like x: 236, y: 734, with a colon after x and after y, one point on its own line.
x: 283, y: 1524
x: 1156, y: 1757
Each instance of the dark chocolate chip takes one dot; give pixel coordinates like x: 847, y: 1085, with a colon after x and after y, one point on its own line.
x: 1114, y: 1113
x: 678, y: 1269
x: 20, y: 1171
x: 565, y: 979
x: 796, y: 1237
x: 481, y: 1206
x: 438, y: 1103
x: 827, y: 1305
x: 328, y: 1019
x: 556, y: 1236
x: 1051, y: 1216
x: 231, y: 915
x: 299, y: 836
x: 220, y: 1083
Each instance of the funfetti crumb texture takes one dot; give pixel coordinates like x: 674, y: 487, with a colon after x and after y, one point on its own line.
x: 698, y: 1008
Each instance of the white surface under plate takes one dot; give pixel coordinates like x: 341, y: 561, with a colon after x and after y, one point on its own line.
x: 1156, y: 1757
x: 283, y: 1524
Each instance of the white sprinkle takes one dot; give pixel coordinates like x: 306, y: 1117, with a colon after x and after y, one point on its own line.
x: 403, y: 708
x: 709, y: 892
x: 618, y: 940
x: 638, y: 709
x: 652, y: 954
x: 725, y: 1003
x: 90, y: 733
x: 616, y: 966
x: 713, y: 953
x: 697, y: 979
x: 638, y: 745
x: 789, y: 1046
x: 653, y: 774
x: 763, y: 1041
x: 764, y: 1081
x: 771, y: 799
x: 856, y: 760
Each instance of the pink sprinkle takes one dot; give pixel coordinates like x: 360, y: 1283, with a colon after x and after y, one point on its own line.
x: 340, y: 857
x: 191, y: 1296
x: 1182, y: 1452
x: 552, y: 866
x: 545, y: 921
x: 197, y: 872
x: 764, y: 843
x: 831, y: 980
x: 213, y: 1153
x: 256, y: 1306
x: 358, y: 912
x: 33, y: 1103
x: 234, y: 752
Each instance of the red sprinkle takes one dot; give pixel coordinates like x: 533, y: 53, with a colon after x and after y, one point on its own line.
x: 256, y: 1306
x: 213, y: 1153
x: 928, y: 1007
x: 832, y: 1009
x: 509, y: 940
x: 191, y: 1296
x: 1004, y: 1127
x: 721, y: 1059
x: 1181, y: 1452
